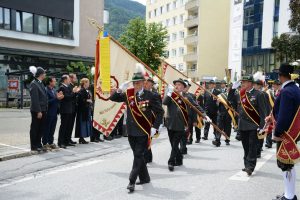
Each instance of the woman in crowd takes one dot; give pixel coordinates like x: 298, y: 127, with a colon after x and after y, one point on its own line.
x: 83, y: 120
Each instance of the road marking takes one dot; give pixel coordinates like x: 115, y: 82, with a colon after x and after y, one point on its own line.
x: 6, y: 145
x: 55, y: 170
x: 242, y: 176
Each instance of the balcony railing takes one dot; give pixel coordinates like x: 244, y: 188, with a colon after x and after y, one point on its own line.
x: 192, y: 5
x: 192, y: 21
x: 191, y: 40
x: 190, y: 57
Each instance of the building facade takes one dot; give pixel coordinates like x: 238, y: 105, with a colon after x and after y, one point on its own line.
x: 263, y: 20
x: 45, y: 33
x: 198, y: 32
x: 171, y: 14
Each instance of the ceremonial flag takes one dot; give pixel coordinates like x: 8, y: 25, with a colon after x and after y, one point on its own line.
x: 116, y: 62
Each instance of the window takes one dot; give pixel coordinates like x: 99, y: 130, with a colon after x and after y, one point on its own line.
x: 168, y: 38
x: 174, y: 20
x: 180, y: 51
x: 42, y: 25
x: 50, y: 26
x: 155, y: 12
x: 6, y: 20
x: 180, y: 19
x: 181, y: 34
x: 180, y: 67
x: 27, y: 22
x: 18, y: 21
x: 174, y: 5
x: 256, y: 37
x: 275, y: 29
x: 245, y: 39
x: 67, y: 29
x: 249, y: 15
x: 161, y: 10
x: 193, y: 67
x: 167, y: 22
x: 1, y: 17
x: 173, y: 53
x: 174, y: 37
x: 167, y: 54
x: 168, y: 7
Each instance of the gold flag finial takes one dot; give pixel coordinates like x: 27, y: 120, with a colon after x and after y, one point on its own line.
x: 95, y: 24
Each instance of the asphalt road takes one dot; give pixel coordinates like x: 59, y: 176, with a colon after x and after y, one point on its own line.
x: 100, y: 171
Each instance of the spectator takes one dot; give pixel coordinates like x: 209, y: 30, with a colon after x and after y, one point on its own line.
x: 53, y: 103
x: 38, y: 108
x: 84, y: 113
x: 75, y: 90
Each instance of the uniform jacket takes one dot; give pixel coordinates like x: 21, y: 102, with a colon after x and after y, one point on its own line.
x: 74, y: 98
x: 154, y: 106
x: 66, y: 102
x: 257, y: 99
x: 174, y: 119
x: 211, y: 105
x: 53, y: 102
x: 38, y: 95
x: 285, y: 107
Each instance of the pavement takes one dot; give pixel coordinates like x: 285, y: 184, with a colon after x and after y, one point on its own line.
x: 101, y: 170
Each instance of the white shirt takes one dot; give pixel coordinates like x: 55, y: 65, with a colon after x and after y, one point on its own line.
x: 285, y: 83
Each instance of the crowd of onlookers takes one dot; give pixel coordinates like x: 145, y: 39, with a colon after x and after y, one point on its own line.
x: 71, y: 100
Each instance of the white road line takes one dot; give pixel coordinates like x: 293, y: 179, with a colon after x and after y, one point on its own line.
x: 6, y: 145
x: 62, y: 168
x: 242, y: 176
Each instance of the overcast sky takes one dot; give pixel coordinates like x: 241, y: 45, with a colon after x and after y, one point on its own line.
x: 141, y: 1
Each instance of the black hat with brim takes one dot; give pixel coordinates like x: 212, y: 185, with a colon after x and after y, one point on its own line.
x: 247, y: 78
x: 223, y: 82
x: 286, y: 69
x: 211, y: 82
x: 151, y: 80
x: 180, y: 81
x: 277, y: 82
x: 138, y: 77
x: 258, y: 82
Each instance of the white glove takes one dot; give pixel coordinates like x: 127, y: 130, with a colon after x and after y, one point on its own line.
x: 170, y: 90
x: 153, y: 131
x: 207, y: 119
x: 124, y: 86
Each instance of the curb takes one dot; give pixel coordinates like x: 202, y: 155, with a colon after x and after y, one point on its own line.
x: 18, y: 155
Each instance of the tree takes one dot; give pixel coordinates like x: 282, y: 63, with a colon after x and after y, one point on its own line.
x: 146, y: 41
x: 287, y: 47
x: 80, y: 67
x: 294, y: 22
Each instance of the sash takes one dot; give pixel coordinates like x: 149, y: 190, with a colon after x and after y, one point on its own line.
x: 270, y: 98
x: 288, y: 152
x: 248, y: 108
x: 223, y: 99
x: 141, y: 120
x: 182, y: 106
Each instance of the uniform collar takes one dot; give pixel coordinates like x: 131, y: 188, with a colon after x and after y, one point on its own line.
x: 64, y: 85
x: 251, y: 90
x: 285, y: 83
x: 139, y: 93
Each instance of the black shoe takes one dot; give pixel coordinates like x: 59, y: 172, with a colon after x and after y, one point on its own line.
x: 82, y: 141
x: 108, y: 138
x: 37, y: 149
x: 178, y: 163
x: 268, y: 146
x: 143, y: 182
x: 70, y: 145
x: 258, y: 156
x: 204, y: 138
x: 248, y: 171
x: 197, y: 141
x: 216, y: 143
x: 62, y: 146
x: 244, y: 169
x: 72, y: 142
x: 238, y: 137
x: 131, y: 187
x: 117, y: 136
x: 183, y: 151
x: 282, y: 197
x: 171, y: 167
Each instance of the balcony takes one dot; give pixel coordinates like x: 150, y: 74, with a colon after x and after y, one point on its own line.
x: 190, y: 57
x: 192, y: 21
x: 191, y: 40
x: 192, y: 5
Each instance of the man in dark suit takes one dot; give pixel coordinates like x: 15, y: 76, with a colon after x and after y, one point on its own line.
x: 53, y: 103
x: 38, y: 109
x: 177, y: 120
x: 65, y: 112
x: 251, y: 120
x: 141, y: 105
x: 285, y: 112
x: 75, y: 90
x: 211, y: 107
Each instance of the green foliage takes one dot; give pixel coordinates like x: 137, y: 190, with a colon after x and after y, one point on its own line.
x: 146, y: 41
x: 120, y: 13
x: 294, y: 22
x: 80, y: 67
x: 287, y: 47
